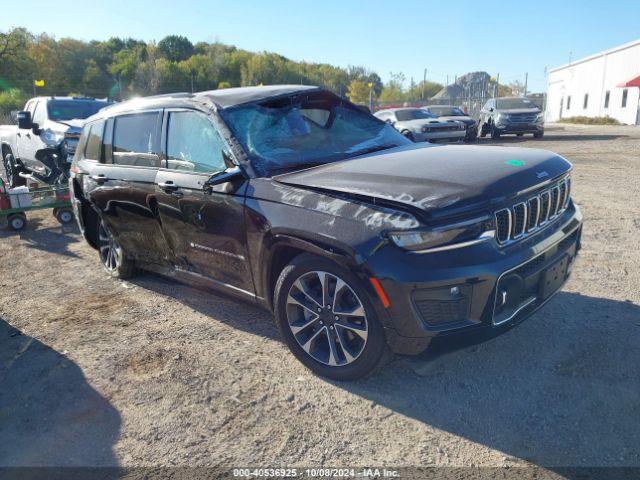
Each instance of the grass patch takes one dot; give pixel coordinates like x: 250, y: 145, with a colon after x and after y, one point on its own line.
x: 590, y: 120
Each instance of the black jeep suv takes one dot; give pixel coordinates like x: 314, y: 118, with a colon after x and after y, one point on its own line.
x: 356, y: 238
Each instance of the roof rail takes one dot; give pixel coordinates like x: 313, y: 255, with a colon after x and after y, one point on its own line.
x: 175, y: 95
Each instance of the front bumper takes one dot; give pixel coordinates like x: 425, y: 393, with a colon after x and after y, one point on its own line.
x: 479, y: 286
x: 508, y: 127
x: 440, y: 135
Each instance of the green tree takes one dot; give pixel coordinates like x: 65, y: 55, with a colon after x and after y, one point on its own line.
x: 174, y: 48
x: 12, y: 99
x: 358, y: 92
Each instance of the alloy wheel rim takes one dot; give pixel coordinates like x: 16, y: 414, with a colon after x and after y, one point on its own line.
x: 110, y: 251
x: 327, y: 318
x: 8, y: 168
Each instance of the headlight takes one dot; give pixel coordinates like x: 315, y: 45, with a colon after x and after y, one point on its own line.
x: 540, y: 117
x: 444, y: 237
x: 501, y: 117
x: 52, y: 138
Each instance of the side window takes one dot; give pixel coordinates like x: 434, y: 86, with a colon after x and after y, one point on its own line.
x: 93, y: 150
x: 135, y: 141
x: 39, y: 115
x: 193, y: 143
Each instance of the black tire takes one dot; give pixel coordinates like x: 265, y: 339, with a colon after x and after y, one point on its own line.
x: 369, y: 356
x: 17, y: 221
x: 520, y: 134
x: 63, y: 215
x: 112, y: 257
x: 482, y: 132
x: 495, y: 133
x: 13, y: 171
x: 538, y: 134
x: 408, y: 134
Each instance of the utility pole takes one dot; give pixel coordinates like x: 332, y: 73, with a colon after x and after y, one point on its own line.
x: 424, y: 82
x: 526, y: 81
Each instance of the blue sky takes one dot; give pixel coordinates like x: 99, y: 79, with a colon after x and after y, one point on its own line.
x: 446, y: 37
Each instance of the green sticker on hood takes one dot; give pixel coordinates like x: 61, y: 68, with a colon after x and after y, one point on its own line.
x: 514, y: 163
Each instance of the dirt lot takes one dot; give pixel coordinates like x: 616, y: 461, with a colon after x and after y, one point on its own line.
x: 95, y: 371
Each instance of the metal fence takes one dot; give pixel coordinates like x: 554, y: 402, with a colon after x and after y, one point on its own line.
x: 471, y: 105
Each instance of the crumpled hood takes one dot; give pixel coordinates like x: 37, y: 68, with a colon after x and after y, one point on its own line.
x: 436, y: 180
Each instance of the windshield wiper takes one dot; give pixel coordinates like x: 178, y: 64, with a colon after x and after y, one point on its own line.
x: 377, y: 148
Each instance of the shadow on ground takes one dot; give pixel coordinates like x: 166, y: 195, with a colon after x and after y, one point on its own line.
x: 49, y: 414
x: 560, y: 389
x: 55, y: 239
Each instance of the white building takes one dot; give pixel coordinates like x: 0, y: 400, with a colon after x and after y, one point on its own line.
x: 607, y: 83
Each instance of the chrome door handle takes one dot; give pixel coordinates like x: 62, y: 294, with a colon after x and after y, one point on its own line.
x: 168, y: 186
x: 100, y: 179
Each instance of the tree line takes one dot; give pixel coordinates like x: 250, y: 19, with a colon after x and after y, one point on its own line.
x: 122, y: 68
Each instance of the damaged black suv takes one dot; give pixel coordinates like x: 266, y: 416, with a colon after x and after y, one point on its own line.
x: 358, y: 240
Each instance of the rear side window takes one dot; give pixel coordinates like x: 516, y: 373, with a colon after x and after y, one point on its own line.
x: 135, y: 140
x: 93, y: 150
x: 193, y: 144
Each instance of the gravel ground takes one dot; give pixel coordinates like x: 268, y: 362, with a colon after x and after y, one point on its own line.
x: 95, y: 371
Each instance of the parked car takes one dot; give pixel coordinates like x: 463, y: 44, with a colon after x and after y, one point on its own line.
x: 358, y: 240
x: 449, y: 112
x: 421, y: 126
x: 517, y: 115
x: 43, y: 142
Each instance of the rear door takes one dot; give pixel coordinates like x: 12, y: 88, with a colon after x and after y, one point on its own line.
x: 204, y: 229
x: 123, y: 185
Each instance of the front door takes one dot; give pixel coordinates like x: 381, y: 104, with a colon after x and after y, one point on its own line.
x: 28, y: 142
x: 204, y: 229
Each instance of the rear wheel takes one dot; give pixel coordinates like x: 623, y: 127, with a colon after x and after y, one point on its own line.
x: 13, y: 171
x: 328, y: 320
x: 63, y: 215
x: 113, y: 258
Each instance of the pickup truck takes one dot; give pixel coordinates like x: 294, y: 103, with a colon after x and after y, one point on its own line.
x: 42, y: 144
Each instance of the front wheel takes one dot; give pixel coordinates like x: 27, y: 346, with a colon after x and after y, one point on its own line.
x: 408, y: 134
x: 328, y: 320
x: 13, y: 171
x: 112, y: 257
x: 17, y: 221
x: 495, y: 133
x: 538, y: 134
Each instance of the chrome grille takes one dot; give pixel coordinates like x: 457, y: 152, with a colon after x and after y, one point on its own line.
x: 534, y: 213
x: 519, y: 220
x: 528, y: 216
x: 503, y: 225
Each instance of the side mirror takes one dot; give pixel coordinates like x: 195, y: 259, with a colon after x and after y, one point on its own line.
x: 491, y: 109
x: 24, y: 120
x: 225, y: 176
x: 228, y: 161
